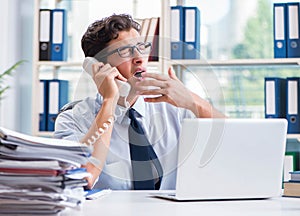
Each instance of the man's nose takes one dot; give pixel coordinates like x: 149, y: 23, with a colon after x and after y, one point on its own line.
x: 137, y: 57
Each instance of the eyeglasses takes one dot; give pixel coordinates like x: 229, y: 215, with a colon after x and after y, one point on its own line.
x: 128, y: 51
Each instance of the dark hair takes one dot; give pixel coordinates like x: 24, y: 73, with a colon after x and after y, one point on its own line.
x: 101, y: 32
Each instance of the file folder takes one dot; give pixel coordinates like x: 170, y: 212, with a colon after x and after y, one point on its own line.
x: 58, y: 96
x: 177, y: 30
x: 153, y: 36
x: 275, y: 97
x: 288, y: 166
x: 45, y: 34
x: 291, y: 163
x: 280, y: 27
x: 59, y: 50
x: 43, y: 104
x: 293, y: 39
x: 144, y: 28
x: 293, y: 115
x: 191, y: 45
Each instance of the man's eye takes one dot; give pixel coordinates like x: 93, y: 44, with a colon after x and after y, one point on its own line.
x: 124, y: 51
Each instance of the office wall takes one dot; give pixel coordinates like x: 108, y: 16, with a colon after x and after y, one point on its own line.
x: 16, y: 27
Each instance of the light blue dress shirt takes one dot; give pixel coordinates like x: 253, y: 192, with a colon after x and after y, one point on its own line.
x: 161, y: 122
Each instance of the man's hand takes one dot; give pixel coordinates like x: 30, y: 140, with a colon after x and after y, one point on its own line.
x: 165, y: 89
x: 104, y: 76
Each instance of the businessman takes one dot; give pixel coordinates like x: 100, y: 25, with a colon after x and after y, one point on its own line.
x: 134, y: 138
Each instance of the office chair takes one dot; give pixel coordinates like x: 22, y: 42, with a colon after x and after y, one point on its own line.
x: 66, y: 107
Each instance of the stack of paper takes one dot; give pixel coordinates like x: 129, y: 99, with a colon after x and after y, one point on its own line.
x: 292, y: 187
x: 40, y: 175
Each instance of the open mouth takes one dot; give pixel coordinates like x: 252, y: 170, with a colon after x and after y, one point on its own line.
x: 139, y: 73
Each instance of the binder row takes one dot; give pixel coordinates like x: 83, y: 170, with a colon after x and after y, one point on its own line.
x: 53, y: 95
x: 53, y: 35
x: 286, y: 32
x: 282, y: 101
x: 185, y: 32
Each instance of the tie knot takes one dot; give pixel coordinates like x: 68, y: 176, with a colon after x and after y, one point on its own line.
x: 132, y: 113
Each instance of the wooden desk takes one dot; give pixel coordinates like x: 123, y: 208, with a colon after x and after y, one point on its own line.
x: 139, y: 203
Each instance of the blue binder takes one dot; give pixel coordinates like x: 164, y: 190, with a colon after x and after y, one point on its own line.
x: 177, y: 30
x: 293, y: 30
x: 43, y: 105
x: 57, y: 97
x: 59, y: 50
x: 191, y: 45
x: 293, y: 105
x: 280, y: 30
x: 275, y: 97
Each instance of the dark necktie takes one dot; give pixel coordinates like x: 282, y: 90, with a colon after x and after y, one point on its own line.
x: 142, y: 157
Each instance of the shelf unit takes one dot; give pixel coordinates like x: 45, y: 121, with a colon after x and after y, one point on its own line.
x: 162, y: 65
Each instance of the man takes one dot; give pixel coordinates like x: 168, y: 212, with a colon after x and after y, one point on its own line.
x: 105, y: 121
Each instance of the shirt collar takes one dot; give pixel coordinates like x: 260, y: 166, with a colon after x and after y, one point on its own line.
x: 140, y: 106
x: 121, y: 111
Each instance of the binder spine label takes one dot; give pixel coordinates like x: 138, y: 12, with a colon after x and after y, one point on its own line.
x: 293, y: 22
x: 270, y: 98
x: 292, y: 97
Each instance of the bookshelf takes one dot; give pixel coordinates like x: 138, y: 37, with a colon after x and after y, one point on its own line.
x: 162, y: 65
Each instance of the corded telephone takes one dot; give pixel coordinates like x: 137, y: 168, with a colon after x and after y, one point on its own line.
x: 124, y: 87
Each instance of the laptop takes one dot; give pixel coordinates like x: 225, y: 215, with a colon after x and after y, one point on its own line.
x: 221, y: 159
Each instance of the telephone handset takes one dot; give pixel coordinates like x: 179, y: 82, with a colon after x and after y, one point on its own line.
x: 124, y: 87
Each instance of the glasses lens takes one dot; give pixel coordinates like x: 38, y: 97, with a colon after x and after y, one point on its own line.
x: 125, y: 51
x: 144, y: 48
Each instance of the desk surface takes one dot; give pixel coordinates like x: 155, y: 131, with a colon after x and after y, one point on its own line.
x: 140, y: 203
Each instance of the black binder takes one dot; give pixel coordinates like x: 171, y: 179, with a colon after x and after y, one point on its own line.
x: 45, y: 35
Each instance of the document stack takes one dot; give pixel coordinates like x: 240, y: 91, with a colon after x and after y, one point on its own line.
x: 40, y: 175
x: 292, y: 187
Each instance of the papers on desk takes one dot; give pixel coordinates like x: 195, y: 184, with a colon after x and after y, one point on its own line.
x: 292, y: 187
x: 40, y: 175
x: 24, y: 146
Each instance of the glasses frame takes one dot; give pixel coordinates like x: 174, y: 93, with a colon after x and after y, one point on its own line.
x: 118, y: 50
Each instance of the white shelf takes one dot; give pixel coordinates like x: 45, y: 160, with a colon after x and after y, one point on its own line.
x: 293, y: 136
x: 238, y: 62
x: 77, y: 64
x: 59, y: 63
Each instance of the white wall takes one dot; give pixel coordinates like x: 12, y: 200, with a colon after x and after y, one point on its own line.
x: 16, y: 27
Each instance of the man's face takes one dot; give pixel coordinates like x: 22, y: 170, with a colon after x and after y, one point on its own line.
x: 130, y: 65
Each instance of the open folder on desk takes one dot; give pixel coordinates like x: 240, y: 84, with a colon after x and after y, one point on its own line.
x: 19, y: 145
x: 16, y: 138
